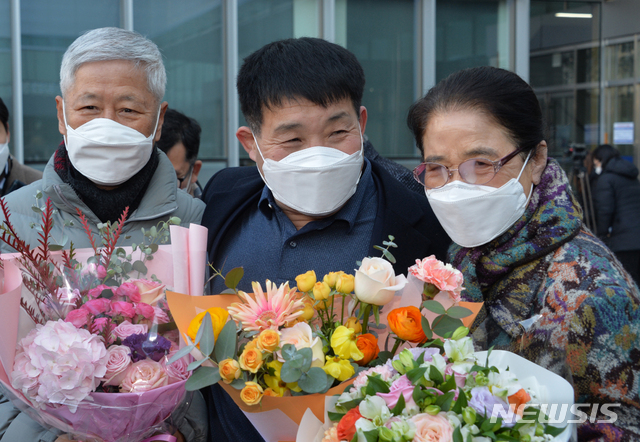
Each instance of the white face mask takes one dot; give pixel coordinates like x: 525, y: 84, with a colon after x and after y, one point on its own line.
x: 107, y: 152
x: 4, y: 155
x: 316, y: 181
x: 473, y: 215
x: 598, y: 170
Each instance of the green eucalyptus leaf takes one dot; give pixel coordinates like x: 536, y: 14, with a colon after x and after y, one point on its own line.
x: 389, y: 256
x: 289, y: 373
x: 226, y: 344
x: 233, y: 277
x: 445, y: 324
x: 207, y: 341
x: 55, y: 247
x: 181, y: 353
x: 288, y: 351
x: 434, y: 306
x: 238, y: 384
x: 195, y: 364
x: 139, y: 266
x: 202, y: 377
x: 458, y: 312
x: 153, y: 248
x: 313, y: 381
x: 36, y: 209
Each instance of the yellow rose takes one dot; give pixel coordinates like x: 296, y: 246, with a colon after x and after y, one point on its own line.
x: 306, y: 281
x: 308, y: 312
x: 229, y: 370
x: 251, y: 359
x: 321, y: 290
x: 330, y: 279
x: 344, y: 283
x: 218, y: 320
x: 268, y: 340
x: 343, y: 342
x: 251, y: 394
x: 251, y: 344
x: 354, y: 325
x: 338, y: 368
x: 324, y: 304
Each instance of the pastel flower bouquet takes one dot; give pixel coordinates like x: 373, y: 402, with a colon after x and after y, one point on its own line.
x: 92, y: 345
x: 280, y: 350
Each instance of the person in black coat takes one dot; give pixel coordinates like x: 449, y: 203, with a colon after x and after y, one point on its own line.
x: 617, y: 198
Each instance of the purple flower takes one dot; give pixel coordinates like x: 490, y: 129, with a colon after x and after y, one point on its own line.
x: 143, y: 347
x: 486, y: 404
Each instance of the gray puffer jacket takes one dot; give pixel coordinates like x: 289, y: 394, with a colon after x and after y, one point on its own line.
x: 161, y: 201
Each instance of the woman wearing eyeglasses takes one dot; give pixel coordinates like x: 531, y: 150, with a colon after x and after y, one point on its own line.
x: 521, y: 244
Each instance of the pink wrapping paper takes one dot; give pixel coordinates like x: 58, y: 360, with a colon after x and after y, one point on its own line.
x: 190, y: 248
x: 9, y: 315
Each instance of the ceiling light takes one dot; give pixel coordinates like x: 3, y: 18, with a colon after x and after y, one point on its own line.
x: 574, y: 15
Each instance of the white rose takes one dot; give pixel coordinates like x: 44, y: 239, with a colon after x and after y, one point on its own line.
x: 301, y: 336
x: 376, y: 282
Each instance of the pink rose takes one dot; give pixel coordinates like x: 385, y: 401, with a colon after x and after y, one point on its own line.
x: 126, y: 329
x: 432, y: 428
x: 122, y: 308
x: 101, y: 271
x: 119, y: 359
x: 401, y: 386
x: 129, y: 291
x: 150, y: 292
x: 160, y: 316
x: 96, y: 292
x: 443, y: 276
x: 144, y: 310
x: 176, y: 371
x: 97, y: 306
x: 143, y: 376
x: 78, y: 317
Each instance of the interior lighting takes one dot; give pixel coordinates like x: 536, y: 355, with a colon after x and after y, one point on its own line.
x: 574, y: 15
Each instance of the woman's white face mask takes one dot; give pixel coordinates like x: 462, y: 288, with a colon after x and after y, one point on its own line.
x: 473, y: 215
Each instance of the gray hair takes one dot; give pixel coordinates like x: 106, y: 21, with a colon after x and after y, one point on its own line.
x: 106, y: 44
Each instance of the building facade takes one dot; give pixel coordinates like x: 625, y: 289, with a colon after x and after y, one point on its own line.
x: 405, y: 47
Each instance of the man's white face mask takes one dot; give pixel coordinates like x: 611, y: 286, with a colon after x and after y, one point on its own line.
x: 316, y: 181
x: 107, y: 152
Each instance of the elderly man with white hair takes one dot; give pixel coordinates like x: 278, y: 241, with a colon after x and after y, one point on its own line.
x: 110, y: 115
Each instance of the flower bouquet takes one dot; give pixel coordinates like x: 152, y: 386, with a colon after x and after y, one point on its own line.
x: 94, y: 345
x: 447, y: 393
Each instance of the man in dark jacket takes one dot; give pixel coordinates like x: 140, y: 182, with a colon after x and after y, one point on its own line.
x: 617, y: 200
x: 13, y: 175
x: 314, y: 201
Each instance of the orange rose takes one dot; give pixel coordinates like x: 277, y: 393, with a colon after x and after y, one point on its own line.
x: 229, y: 370
x: 518, y: 400
x: 268, y: 340
x: 251, y: 394
x: 251, y: 359
x: 368, y: 345
x: 347, y: 425
x: 406, y: 322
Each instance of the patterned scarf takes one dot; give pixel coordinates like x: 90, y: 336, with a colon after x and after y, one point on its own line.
x: 507, y: 272
x: 107, y: 205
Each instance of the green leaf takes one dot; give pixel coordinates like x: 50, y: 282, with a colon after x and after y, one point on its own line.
x: 181, y: 353
x: 226, y: 344
x: 335, y: 417
x: 153, y: 247
x: 288, y: 351
x: 313, y: 381
x: 457, y: 435
x: 55, y: 247
x: 445, y: 400
x: 202, y: 377
x: 449, y: 385
x: 376, y: 313
x: 387, y: 254
x: 351, y: 404
x: 233, y: 277
x: 435, y: 375
x: 195, y: 364
x: 376, y: 385
x: 289, y: 373
x: 434, y: 306
x: 36, y: 209
x: 461, y: 403
x: 228, y: 292
x: 553, y: 431
x: 458, y: 312
x: 416, y: 374
x: 444, y: 324
x: 139, y: 266
x: 371, y: 435
x: 400, y: 405
x: 238, y: 384
x: 207, y: 341
x: 107, y: 293
x: 426, y: 328
x: 306, y: 354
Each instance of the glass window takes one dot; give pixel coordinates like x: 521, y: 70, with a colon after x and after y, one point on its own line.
x: 552, y: 69
x: 619, y: 109
x: 381, y: 34
x: 619, y: 61
x: 563, y: 23
x: 587, y: 111
x: 6, y: 92
x: 191, y: 43
x: 48, y: 28
x: 560, y: 111
x: 588, y: 65
x: 466, y: 35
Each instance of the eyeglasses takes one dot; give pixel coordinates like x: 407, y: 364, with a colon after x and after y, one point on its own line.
x: 474, y: 171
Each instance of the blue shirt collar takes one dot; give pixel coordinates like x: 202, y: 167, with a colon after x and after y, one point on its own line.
x: 349, y: 212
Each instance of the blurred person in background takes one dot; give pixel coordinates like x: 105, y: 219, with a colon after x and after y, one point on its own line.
x: 180, y: 140
x: 617, y: 200
x: 14, y: 175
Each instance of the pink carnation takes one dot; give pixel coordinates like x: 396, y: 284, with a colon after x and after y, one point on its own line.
x: 78, y: 317
x: 98, y: 306
x: 443, y: 276
x: 143, y: 376
x: 129, y: 292
x: 122, y: 308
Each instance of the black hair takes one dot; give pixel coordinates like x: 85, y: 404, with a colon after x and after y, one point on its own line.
x: 500, y: 94
x: 309, y: 68
x: 605, y: 153
x: 4, y: 115
x: 177, y: 127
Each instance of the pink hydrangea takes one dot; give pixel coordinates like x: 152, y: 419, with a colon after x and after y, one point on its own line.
x: 57, y: 363
x: 433, y: 271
